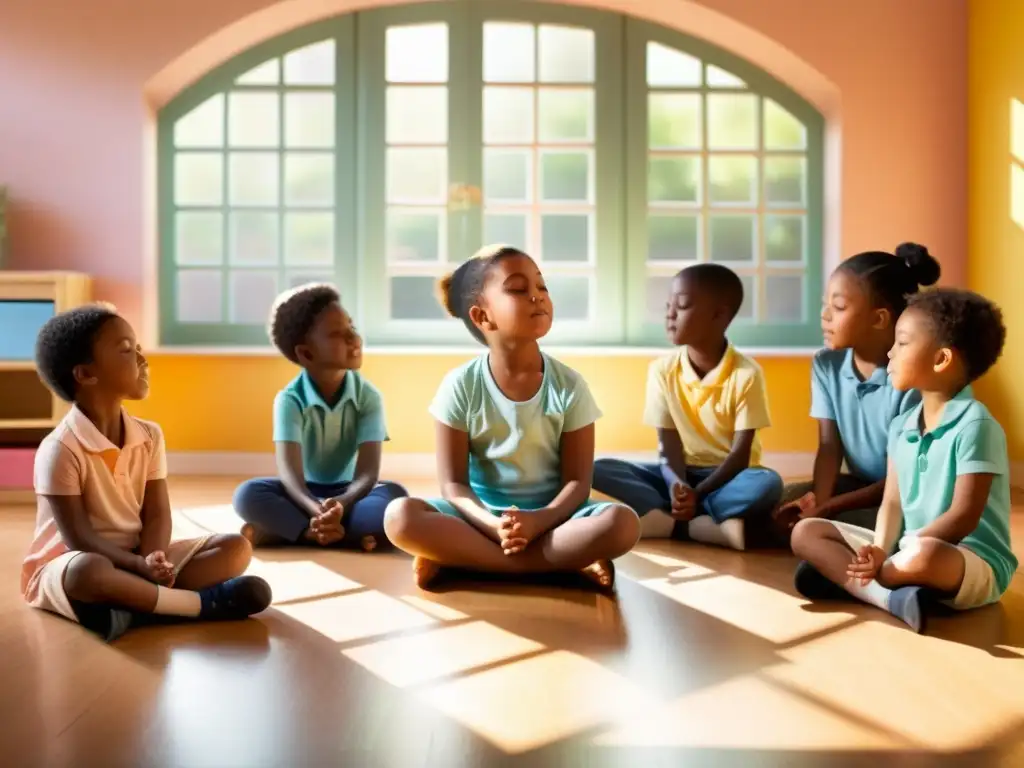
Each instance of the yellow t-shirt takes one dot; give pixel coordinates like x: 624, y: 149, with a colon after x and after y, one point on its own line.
x: 708, y: 412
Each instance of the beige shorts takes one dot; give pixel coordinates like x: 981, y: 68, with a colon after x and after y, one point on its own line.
x: 51, y: 596
x: 978, y: 587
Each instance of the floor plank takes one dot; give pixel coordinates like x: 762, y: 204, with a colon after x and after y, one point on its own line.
x: 706, y: 657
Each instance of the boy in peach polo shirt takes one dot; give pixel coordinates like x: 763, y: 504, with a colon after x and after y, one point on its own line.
x: 102, y: 549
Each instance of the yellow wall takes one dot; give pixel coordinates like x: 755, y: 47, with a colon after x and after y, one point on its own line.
x: 207, y: 403
x: 995, y: 264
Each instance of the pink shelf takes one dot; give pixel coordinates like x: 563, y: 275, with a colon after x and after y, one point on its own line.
x: 16, y: 468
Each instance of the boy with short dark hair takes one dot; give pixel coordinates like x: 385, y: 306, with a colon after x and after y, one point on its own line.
x: 707, y: 402
x: 948, y: 481
x: 328, y: 432
x: 102, y: 547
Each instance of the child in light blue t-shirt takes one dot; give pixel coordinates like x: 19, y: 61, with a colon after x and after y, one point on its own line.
x: 948, y: 481
x: 852, y: 398
x: 515, y: 442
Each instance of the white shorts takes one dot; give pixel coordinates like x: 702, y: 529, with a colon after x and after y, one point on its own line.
x: 978, y: 587
x: 50, y: 595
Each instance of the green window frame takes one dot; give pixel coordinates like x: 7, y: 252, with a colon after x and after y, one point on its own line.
x: 253, y: 200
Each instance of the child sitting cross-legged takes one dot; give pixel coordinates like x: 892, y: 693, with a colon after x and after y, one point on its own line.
x: 948, y: 481
x: 102, y: 553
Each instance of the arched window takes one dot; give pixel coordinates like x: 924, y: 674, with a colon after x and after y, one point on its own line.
x: 380, y: 149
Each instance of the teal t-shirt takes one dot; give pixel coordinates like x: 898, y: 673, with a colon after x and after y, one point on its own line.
x: 863, y: 409
x: 514, y: 447
x: 968, y: 441
x: 330, y: 435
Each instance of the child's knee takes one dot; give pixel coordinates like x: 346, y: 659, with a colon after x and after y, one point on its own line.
x: 245, y: 496
x: 623, y: 528
x: 392, y: 491
x: 401, y: 518
x: 84, y: 574
x: 804, y: 536
x: 236, y: 551
x: 770, y: 487
x: 917, y: 557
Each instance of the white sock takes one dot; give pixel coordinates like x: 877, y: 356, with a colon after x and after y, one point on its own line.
x: 872, y: 593
x: 729, y: 534
x: 656, y: 524
x: 177, y: 602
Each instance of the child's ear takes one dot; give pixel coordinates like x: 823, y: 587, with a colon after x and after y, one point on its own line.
x: 304, y: 354
x: 479, y: 317
x: 882, y: 319
x: 84, y: 376
x: 943, y: 359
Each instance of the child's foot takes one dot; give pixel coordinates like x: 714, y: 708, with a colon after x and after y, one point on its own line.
x: 259, y: 537
x: 108, y: 623
x: 236, y: 598
x: 729, y: 533
x: 368, y: 543
x: 905, y: 604
x: 425, y: 572
x: 602, y: 573
x: 811, y: 584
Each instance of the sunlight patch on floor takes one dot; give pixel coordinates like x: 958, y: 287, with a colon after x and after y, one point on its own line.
x: 762, y: 611
x: 353, y: 617
x: 744, y: 713
x: 437, y: 610
x: 667, y: 562
x: 300, y: 579
x: 420, y: 658
x: 189, y: 521
x: 528, y: 704
x: 882, y: 673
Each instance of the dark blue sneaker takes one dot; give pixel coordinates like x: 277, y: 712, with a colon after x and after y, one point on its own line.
x: 906, y: 604
x: 233, y: 599
x: 811, y: 584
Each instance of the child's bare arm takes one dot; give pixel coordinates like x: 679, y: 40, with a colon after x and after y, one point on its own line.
x: 576, y: 451
x: 970, y: 494
x: 828, y: 461
x: 288, y: 457
x: 75, y: 528
x: 366, y: 474
x: 156, y: 518
x: 672, y: 457
x: 453, y: 475
x: 737, y: 460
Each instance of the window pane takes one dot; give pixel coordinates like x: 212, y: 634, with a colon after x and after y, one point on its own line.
x: 198, y: 178
x: 414, y: 298
x: 309, y: 238
x: 673, y: 179
x: 312, y: 65
x: 673, y: 238
x: 507, y: 175
x: 417, y: 115
x: 784, y: 298
x: 253, y: 119
x: 749, y: 297
x: 199, y: 238
x: 785, y: 181
x: 784, y: 238
x: 667, y: 67
x: 566, y: 115
x: 565, y: 237
x: 203, y: 126
x: 508, y: 115
x: 781, y: 129
x: 732, y: 121
x: 414, y: 235
x: 267, y: 73
x: 253, y: 238
x: 658, y: 289
x: 719, y: 78
x: 417, y: 175
x: 251, y: 295
x: 566, y: 55
x: 674, y: 120
x: 570, y: 296
x: 507, y: 229
x: 565, y: 176
x: 509, y: 52
x: 417, y: 54
x: 309, y: 119
x: 199, y: 296
x: 295, y: 279
x: 309, y: 179
x: 253, y: 178
x: 732, y: 179
x: 732, y: 237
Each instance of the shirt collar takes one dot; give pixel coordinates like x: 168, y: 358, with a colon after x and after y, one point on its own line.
x: 715, y: 376
x: 878, y: 377
x: 951, y: 414
x: 312, y: 396
x: 94, y: 441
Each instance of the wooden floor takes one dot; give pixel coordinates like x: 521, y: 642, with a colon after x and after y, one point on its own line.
x: 707, y: 658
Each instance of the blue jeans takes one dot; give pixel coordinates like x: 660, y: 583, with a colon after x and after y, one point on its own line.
x: 265, y: 503
x: 753, y: 492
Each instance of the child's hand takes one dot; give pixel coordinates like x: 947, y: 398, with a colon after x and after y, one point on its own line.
x: 787, y: 515
x: 326, y: 528
x: 684, y: 502
x: 517, y: 529
x: 866, y: 564
x: 158, y: 569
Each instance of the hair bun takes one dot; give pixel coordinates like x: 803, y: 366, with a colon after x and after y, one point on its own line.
x: 922, y: 265
x: 444, y: 294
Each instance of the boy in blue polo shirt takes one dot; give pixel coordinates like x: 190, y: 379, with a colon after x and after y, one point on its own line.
x: 328, y: 431
x: 948, y: 478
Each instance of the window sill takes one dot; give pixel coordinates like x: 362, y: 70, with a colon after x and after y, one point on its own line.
x: 466, y: 351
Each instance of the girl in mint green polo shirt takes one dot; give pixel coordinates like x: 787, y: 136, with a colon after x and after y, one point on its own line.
x: 948, y: 480
x: 515, y: 444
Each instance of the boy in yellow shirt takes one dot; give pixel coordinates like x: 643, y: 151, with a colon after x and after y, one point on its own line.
x: 707, y: 402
